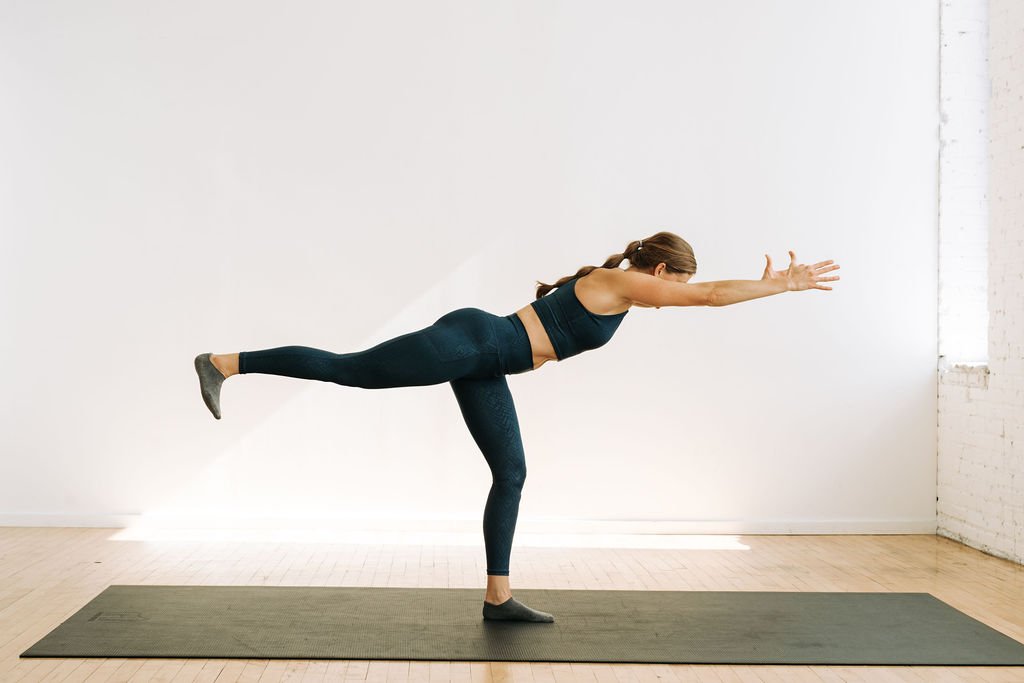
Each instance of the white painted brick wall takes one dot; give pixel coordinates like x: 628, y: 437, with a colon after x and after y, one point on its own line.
x: 963, y: 173
x: 981, y: 406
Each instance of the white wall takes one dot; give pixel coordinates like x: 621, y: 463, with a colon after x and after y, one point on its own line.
x: 190, y: 177
x: 981, y: 433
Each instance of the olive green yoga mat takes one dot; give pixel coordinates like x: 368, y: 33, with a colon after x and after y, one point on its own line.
x: 675, y: 627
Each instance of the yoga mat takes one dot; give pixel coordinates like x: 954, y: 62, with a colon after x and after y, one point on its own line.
x: 672, y: 627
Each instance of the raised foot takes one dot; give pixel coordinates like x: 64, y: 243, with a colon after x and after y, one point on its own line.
x: 218, y: 363
x: 210, y: 380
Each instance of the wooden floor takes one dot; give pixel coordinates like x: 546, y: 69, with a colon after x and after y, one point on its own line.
x: 47, y: 574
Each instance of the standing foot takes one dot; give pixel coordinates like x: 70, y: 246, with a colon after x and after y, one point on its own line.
x: 513, y: 610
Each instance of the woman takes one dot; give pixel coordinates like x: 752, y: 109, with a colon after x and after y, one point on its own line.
x: 473, y: 350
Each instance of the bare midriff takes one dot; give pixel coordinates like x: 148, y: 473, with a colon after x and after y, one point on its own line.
x: 540, y: 343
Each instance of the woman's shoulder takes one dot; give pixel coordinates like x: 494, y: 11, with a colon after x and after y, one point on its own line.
x: 637, y: 288
x: 603, y: 289
x: 614, y: 281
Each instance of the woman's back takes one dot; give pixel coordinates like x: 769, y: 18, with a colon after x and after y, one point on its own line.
x: 571, y: 327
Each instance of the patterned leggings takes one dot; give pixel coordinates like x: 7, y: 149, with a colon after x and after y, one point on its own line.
x: 470, y: 349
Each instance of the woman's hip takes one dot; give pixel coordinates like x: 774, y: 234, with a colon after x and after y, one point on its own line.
x: 467, y: 332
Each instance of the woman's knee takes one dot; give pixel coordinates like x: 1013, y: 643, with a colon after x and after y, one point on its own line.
x: 513, y: 476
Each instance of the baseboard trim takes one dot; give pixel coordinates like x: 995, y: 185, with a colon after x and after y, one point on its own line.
x: 473, y: 525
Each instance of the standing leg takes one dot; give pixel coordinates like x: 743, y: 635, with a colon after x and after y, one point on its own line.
x: 490, y: 415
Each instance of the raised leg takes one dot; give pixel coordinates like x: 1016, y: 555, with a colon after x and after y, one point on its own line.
x: 416, y: 358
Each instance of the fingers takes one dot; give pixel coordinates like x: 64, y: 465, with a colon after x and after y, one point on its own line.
x: 816, y: 266
x: 814, y: 272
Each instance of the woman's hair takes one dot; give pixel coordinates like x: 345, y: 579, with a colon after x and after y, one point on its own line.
x: 662, y: 247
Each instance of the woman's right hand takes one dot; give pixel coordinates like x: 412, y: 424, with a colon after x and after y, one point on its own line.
x: 800, y: 276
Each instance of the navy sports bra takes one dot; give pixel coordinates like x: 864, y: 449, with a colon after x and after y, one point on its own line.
x: 572, y: 328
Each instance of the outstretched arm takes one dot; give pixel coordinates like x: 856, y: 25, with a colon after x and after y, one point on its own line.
x: 725, y: 292
x: 796, y: 278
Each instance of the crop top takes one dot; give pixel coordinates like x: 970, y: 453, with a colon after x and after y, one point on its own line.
x: 571, y: 327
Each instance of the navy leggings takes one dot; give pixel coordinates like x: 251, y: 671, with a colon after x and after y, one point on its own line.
x: 470, y: 349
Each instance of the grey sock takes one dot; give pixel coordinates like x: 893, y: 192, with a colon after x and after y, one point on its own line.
x: 513, y: 610
x: 210, y: 379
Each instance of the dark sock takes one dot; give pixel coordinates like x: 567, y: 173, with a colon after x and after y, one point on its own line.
x: 210, y: 379
x: 513, y: 610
